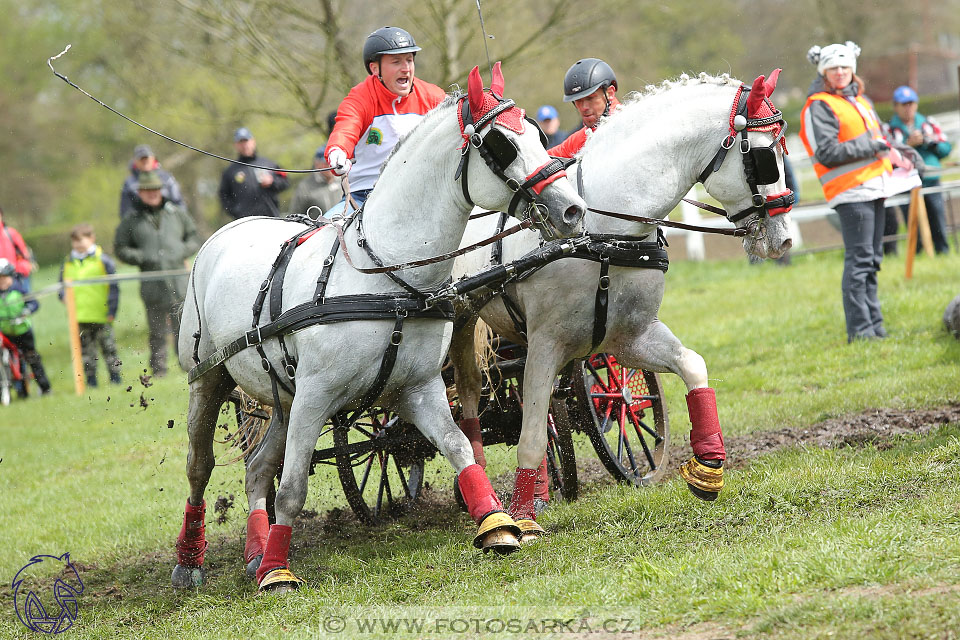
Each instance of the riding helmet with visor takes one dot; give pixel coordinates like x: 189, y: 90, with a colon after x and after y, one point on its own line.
x: 387, y: 40
x: 585, y: 77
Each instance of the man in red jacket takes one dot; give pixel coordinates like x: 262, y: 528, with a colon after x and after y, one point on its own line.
x: 14, y: 249
x: 379, y: 111
x: 591, y: 86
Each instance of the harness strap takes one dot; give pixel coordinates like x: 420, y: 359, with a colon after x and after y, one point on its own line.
x: 386, y: 365
x: 333, y: 310
x: 324, y: 276
x: 600, y: 304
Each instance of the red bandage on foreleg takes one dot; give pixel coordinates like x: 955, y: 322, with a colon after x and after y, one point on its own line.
x: 471, y: 428
x: 541, y: 488
x: 477, y: 492
x: 705, y: 436
x: 258, y: 526
x: 521, y: 504
x: 191, y: 543
x: 278, y: 548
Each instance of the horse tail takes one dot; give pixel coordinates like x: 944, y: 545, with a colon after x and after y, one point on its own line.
x: 483, y: 351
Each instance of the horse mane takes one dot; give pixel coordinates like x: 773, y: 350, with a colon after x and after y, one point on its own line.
x: 425, y: 124
x: 682, y: 81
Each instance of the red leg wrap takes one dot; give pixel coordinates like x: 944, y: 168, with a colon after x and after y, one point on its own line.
x: 190, y: 543
x: 541, y: 488
x: 521, y: 504
x: 258, y: 526
x: 477, y: 492
x: 705, y: 435
x: 278, y: 548
x: 471, y: 428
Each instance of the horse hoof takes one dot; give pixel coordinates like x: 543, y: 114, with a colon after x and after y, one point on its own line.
x: 540, y: 505
x: 530, y: 531
x: 704, y: 480
x: 186, y: 577
x: 498, y: 533
x: 252, y: 567
x: 279, y: 580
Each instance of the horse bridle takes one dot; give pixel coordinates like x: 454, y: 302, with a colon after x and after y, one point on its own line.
x: 759, y: 163
x: 499, y: 152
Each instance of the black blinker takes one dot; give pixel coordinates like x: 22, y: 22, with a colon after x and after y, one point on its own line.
x: 500, y: 148
x: 765, y: 165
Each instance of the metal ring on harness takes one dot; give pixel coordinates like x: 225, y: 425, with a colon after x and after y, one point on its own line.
x: 604, y: 283
x: 729, y: 141
x: 265, y: 364
x: 396, y: 338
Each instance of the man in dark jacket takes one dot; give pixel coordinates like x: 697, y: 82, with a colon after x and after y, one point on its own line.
x: 158, y: 236
x: 245, y: 191
x: 145, y: 160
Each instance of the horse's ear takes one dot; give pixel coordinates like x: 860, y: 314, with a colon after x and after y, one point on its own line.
x: 475, y: 92
x: 771, y: 82
x: 755, y: 99
x: 496, y: 80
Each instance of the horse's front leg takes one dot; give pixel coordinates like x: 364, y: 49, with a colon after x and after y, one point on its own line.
x: 262, y: 466
x: 308, y: 413
x: 469, y: 384
x: 658, y: 349
x: 427, y: 407
x: 207, y: 395
x: 545, y: 357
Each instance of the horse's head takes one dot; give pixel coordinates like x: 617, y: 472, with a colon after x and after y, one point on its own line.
x: 518, y: 169
x: 750, y: 183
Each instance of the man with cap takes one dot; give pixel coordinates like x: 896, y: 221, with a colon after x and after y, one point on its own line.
x: 380, y: 110
x: 158, y: 236
x: 247, y: 191
x: 591, y: 85
x: 549, y: 121
x: 145, y: 160
x: 925, y: 135
x: 319, y: 189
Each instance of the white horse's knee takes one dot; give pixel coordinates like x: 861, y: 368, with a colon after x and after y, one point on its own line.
x: 693, y: 369
x: 456, y: 448
x: 291, y: 497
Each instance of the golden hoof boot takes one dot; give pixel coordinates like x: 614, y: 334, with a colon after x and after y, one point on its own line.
x: 498, y: 533
x: 703, y: 481
x: 280, y: 580
x: 530, y: 531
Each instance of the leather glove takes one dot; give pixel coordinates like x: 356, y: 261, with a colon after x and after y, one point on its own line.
x: 338, y: 160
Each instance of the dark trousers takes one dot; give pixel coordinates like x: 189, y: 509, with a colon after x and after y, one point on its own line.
x: 861, y: 224
x: 162, y: 317
x: 93, y: 335
x: 28, y: 353
x: 936, y: 215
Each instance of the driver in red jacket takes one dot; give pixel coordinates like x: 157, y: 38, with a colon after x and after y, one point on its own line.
x: 591, y: 85
x: 378, y: 111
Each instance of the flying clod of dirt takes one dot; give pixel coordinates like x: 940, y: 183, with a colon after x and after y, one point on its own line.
x: 221, y: 506
x: 145, y: 380
x: 143, y: 402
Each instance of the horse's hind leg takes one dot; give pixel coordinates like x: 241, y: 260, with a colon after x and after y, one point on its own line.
x: 207, y: 395
x: 658, y: 349
x: 468, y: 378
x: 261, y: 469
x: 427, y: 407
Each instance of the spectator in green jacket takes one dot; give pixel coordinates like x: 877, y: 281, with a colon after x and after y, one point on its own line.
x: 158, y: 236
x: 15, y: 323
x: 96, y: 303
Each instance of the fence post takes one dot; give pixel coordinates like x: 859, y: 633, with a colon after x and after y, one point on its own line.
x: 76, y: 354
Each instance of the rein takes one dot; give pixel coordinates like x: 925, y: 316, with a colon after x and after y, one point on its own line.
x: 740, y: 231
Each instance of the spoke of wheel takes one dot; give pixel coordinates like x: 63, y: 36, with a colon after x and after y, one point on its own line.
x: 363, y: 431
x: 383, y: 479
x: 366, y: 474
x: 639, y: 421
x: 626, y: 442
x: 643, y: 443
x: 606, y: 417
x: 385, y: 469
x: 403, y: 478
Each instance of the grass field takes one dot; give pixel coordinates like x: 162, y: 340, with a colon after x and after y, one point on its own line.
x: 804, y: 542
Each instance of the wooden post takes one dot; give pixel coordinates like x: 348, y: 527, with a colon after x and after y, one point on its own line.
x: 76, y: 353
x: 912, y: 231
x: 926, y: 239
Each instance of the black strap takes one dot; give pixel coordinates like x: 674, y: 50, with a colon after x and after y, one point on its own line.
x: 515, y: 313
x: 600, y: 304
x: 324, y: 276
x: 386, y: 365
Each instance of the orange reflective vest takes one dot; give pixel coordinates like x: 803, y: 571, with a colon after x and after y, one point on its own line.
x: 855, y: 120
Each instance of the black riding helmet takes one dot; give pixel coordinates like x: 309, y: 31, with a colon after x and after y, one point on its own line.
x: 387, y: 40
x: 585, y: 77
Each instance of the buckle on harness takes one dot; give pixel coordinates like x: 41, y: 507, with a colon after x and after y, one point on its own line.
x: 253, y: 337
x: 396, y: 338
x: 604, y: 283
x: 290, y: 370
x: 265, y: 364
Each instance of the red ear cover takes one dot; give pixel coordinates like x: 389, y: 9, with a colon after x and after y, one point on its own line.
x: 496, y: 80
x: 475, y: 92
x: 771, y: 82
x: 755, y: 99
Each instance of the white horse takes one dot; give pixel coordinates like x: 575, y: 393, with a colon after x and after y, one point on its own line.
x: 642, y: 160
x: 417, y: 211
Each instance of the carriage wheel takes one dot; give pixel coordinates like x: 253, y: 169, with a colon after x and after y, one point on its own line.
x: 379, y: 477
x: 627, y: 421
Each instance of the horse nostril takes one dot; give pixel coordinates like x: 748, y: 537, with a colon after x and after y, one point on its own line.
x: 573, y: 214
x: 787, y: 244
